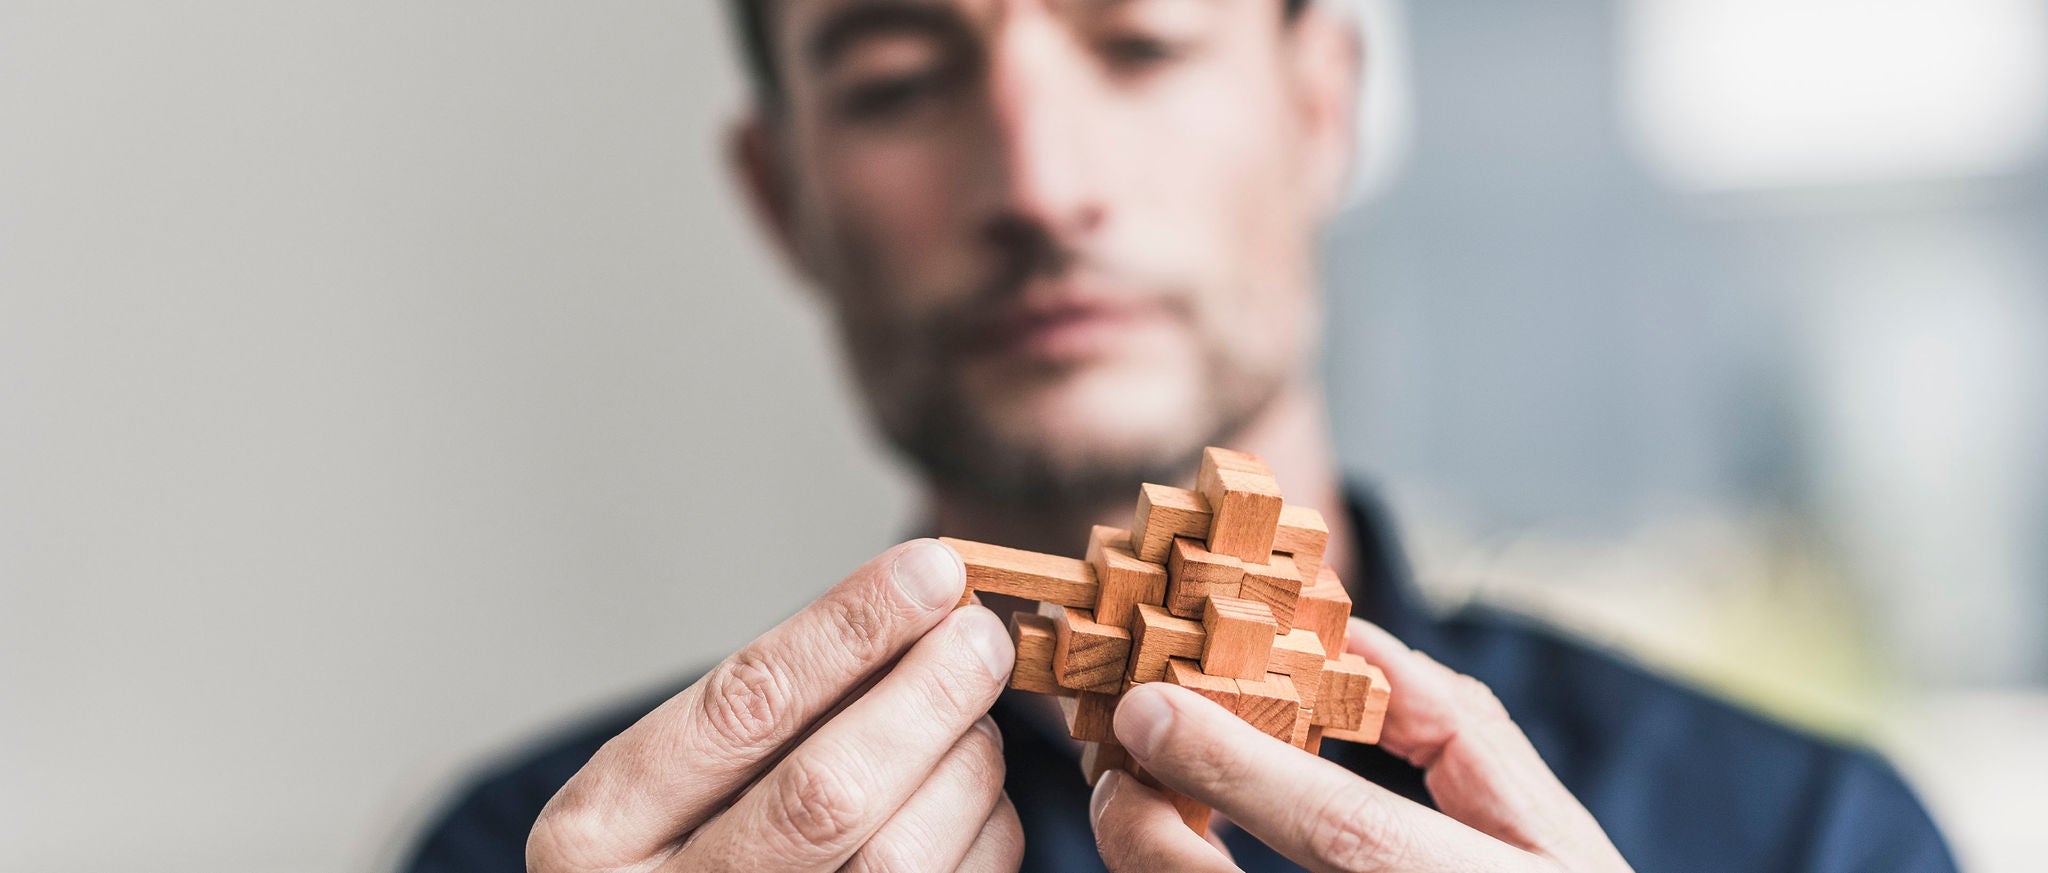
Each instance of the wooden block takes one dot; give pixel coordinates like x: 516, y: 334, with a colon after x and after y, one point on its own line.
x: 1304, y: 536
x: 1277, y: 584
x: 1325, y: 608
x: 1352, y: 690
x: 1122, y: 580
x: 1036, y: 640
x: 1165, y: 512
x: 1232, y: 459
x: 1301, y: 726
x: 1185, y: 673
x: 1194, y: 574
x: 1314, y: 745
x: 1157, y: 635
x: 1270, y: 704
x: 1030, y: 575
x: 1298, y: 655
x: 1090, y: 716
x: 1100, y: 758
x: 1239, y: 638
x: 1087, y: 655
x: 1244, y: 508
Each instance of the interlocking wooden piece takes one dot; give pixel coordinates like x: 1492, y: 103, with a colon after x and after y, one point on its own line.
x: 1298, y: 655
x: 1118, y: 618
x: 1036, y: 640
x: 1325, y: 608
x: 1353, y: 697
x: 1090, y: 716
x: 1122, y: 580
x: 1165, y: 512
x: 1244, y: 507
x: 1314, y: 743
x: 1029, y: 575
x: 1239, y: 637
x: 1194, y: 574
x: 1087, y: 655
x: 1232, y: 459
x: 1270, y: 704
x: 1187, y: 674
x: 1304, y: 537
x: 1277, y: 584
x: 1100, y: 758
x: 1302, y: 718
x: 1157, y: 635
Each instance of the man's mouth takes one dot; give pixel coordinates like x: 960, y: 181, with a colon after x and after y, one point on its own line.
x: 1064, y: 330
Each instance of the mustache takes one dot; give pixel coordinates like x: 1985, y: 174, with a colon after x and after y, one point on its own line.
x: 1039, y: 277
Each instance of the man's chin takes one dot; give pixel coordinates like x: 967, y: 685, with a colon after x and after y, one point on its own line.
x: 1093, y: 433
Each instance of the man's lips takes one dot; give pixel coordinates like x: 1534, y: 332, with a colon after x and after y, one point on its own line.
x: 1059, y: 332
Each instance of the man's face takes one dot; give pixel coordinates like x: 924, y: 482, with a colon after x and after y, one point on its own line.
x: 1068, y: 242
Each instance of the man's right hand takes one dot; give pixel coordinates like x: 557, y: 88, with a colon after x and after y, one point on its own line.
x: 854, y: 734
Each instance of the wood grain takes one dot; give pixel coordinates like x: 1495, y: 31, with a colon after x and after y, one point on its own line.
x: 1030, y: 575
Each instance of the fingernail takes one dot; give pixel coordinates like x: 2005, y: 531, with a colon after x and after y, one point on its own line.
x: 1105, y: 791
x: 929, y: 574
x: 1142, y: 720
x: 990, y: 642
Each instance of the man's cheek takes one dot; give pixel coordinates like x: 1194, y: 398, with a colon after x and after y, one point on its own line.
x: 900, y: 204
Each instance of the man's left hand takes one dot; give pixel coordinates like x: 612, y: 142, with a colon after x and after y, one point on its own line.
x: 1502, y: 808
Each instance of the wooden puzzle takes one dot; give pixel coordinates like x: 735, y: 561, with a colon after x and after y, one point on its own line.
x: 1220, y: 590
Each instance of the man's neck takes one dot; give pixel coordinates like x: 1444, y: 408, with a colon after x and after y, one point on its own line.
x: 1292, y: 435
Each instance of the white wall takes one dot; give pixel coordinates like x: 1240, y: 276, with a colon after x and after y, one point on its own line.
x: 379, y: 383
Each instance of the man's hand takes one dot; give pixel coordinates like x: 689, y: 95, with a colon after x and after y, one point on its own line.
x: 1502, y: 808
x: 852, y: 735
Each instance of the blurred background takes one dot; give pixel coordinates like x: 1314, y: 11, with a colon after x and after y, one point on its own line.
x: 382, y: 384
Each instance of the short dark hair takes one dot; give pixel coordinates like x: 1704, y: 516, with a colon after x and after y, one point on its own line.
x: 752, y: 21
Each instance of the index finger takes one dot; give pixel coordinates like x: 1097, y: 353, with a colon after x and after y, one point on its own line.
x: 1479, y: 766
x: 1311, y: 810
x: 662, y: 777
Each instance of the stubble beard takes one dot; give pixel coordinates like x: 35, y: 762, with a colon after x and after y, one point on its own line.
x: 956, y: 444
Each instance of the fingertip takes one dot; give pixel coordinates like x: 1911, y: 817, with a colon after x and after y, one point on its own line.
x: 930, y: 573
x: 1142, y: 719
x: 989, y: 639
x: 1365, y: 638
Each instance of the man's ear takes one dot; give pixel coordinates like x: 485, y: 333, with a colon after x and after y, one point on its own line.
x: 1328, y: 64
x: 757, y: 161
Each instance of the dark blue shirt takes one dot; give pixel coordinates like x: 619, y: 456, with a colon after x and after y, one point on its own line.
x: 1680, y: 781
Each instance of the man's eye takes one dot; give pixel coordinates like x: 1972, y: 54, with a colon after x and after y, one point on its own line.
x: 884, y: 98
x: 1135, y: 53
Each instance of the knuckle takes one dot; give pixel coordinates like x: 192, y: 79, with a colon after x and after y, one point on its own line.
x: 1478, y: 699
x: 819, y: 805
x: 861, y: 626
x: 745, y: 701
x: 1345, y: 832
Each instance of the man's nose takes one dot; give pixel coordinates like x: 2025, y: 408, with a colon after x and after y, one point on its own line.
x: 1039, y: 93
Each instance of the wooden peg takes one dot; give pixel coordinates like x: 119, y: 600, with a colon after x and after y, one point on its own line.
x: 1087, y: 655
x: 1157, y: 635
x: 1239, y: 638
x: 1123, y: 581
x: 1194, y: 574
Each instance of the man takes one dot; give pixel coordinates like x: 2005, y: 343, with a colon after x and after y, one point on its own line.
x: 1068, y: 243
